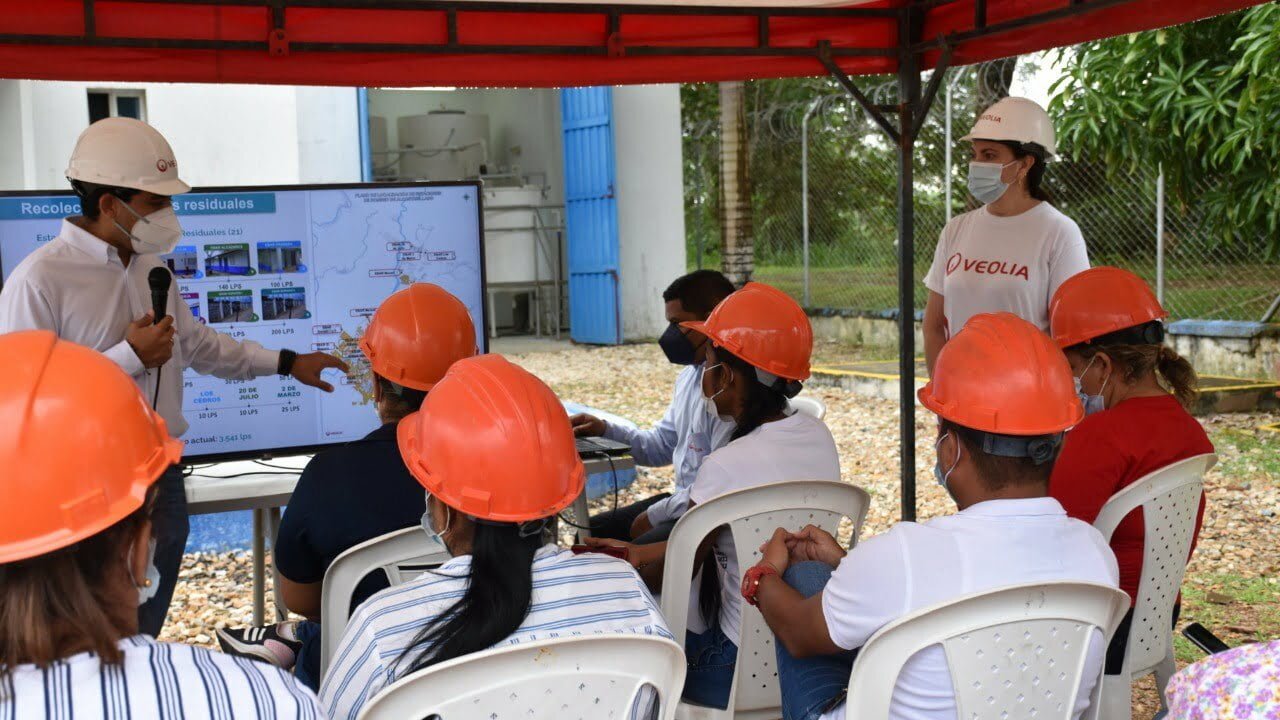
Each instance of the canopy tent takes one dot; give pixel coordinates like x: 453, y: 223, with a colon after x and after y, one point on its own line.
x: 538, y: 44
x: 531, y: 43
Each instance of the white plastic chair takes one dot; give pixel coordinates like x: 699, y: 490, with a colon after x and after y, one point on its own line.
x: 402, y: 555
x: 1013, y: 652
x: 811, y: 406
x: 1169, y: 498
x: 593, y: 676
x: 752, y: 516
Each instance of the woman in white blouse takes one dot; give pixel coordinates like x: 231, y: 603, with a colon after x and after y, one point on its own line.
x: 80, y: 453
x: 760, y: 345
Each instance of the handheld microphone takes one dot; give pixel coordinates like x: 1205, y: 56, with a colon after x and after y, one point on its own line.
x: 159, y: 279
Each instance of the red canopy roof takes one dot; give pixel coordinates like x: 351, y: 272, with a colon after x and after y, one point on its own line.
x: 530, y: 43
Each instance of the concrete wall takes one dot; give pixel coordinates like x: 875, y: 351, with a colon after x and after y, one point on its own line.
x: 650, y: 187
x: 221, y: 134
x: 1254, y: 357
x: 860, y: 330
x: 1233, y: 357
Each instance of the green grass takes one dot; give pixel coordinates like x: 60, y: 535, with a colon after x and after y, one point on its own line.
x: 1206, y: 291
x: 1237, y: 609
x: 1251, y: 454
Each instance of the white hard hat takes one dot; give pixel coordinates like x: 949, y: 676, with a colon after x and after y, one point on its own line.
x: 1015, y: 119
x: 127, y: 153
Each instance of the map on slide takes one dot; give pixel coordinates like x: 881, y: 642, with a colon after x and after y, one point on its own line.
x: 302, y: 269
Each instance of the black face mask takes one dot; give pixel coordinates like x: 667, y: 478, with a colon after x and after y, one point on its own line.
x: 677, y: 347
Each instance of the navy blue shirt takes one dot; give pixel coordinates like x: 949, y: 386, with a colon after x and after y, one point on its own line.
x: 345, y: 496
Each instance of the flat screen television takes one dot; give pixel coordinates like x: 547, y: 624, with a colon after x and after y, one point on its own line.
x: 301, y: 267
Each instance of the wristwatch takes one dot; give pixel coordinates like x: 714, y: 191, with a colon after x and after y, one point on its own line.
x: 752, y: 577
x: 285, y: 365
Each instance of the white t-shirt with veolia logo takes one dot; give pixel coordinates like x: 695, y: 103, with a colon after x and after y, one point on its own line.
x: 985, y: 263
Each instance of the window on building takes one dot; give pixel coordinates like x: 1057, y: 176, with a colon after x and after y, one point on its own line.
x: 117, y: 103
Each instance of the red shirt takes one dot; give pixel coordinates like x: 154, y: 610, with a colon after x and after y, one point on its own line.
x: 1110, y: 450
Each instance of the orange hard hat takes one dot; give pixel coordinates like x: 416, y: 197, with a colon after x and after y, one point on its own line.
x: 1099, y: 301
x: 494, y: 442
x: 764, y: 326
x: 79, y: 445
x: 1001, y: 375
x: 416, y: 334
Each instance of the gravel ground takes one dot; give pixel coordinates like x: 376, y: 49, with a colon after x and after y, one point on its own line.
x: 1239, y: 537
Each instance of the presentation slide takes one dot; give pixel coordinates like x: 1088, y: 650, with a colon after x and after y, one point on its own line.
x: 297, y: 268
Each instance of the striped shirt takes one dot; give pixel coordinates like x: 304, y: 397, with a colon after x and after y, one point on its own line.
x: 572, y: 595
x: 155, y: 680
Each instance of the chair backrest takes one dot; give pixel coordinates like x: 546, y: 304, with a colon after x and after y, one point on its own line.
x: 1170, y: 499
x: 752, y: 516
x: 1013, y: 652
x: 389, y: 553
x: 810, y: 406
x: 593, y: 676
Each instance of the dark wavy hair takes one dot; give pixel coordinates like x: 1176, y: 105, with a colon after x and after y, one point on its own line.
x: 499, y: 591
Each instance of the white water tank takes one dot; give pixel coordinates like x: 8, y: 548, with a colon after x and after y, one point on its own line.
x: 442, y: 145
x: 511, y: 254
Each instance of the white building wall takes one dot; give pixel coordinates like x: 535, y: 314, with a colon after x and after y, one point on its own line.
x: 221, y: 134
x: 17, y: 161
x: 328, y: 135
x: 650, y: 189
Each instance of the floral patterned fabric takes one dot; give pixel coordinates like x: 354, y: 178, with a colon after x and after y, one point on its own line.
x: 1240, y: 684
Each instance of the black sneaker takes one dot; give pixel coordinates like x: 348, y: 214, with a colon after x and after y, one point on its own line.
x: 275, y: 644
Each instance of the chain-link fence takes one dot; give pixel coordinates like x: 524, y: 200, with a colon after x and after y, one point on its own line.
x: 824, y: 184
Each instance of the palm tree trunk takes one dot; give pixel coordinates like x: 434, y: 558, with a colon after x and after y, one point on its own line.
x: 737, y: 253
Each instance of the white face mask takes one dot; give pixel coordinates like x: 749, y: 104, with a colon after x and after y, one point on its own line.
x: 1092, y: 403
x: 157, y: 233
x: 710, y: 401
x: 942, y: 476
x: 985, y: 181
x: 151, y: 584
x: 429, y: 525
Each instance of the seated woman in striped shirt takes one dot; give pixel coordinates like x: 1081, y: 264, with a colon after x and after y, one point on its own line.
x: 80, y: 453
x: 494, y: 449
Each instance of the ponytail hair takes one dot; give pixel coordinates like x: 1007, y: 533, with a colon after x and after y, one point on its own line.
x: 499, y: 592
x: 759, y: 401
x: 1178, y: 375
x: 1035, y: 176
x: 1135, y: 360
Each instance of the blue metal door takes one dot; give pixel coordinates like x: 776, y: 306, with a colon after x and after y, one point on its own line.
x: 591, y: 215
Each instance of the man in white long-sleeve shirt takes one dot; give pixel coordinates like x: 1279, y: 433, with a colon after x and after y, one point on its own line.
x: 686, y: 434
x: 90, y: 286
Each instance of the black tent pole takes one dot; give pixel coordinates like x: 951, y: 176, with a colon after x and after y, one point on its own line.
x: 909, y: 22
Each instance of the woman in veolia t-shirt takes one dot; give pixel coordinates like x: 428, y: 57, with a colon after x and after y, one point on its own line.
x: 1011, y: 254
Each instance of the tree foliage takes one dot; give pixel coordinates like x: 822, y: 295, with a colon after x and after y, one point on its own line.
x: 1202, y: 100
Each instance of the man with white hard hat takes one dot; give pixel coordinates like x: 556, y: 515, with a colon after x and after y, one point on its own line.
x: 1011, y: 254
x: 90, y: 286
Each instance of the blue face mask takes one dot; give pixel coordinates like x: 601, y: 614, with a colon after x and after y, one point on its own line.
x: 938, y: 473
x: 1092, y: 403
x: 429, y: 526
x: 985, y: 183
